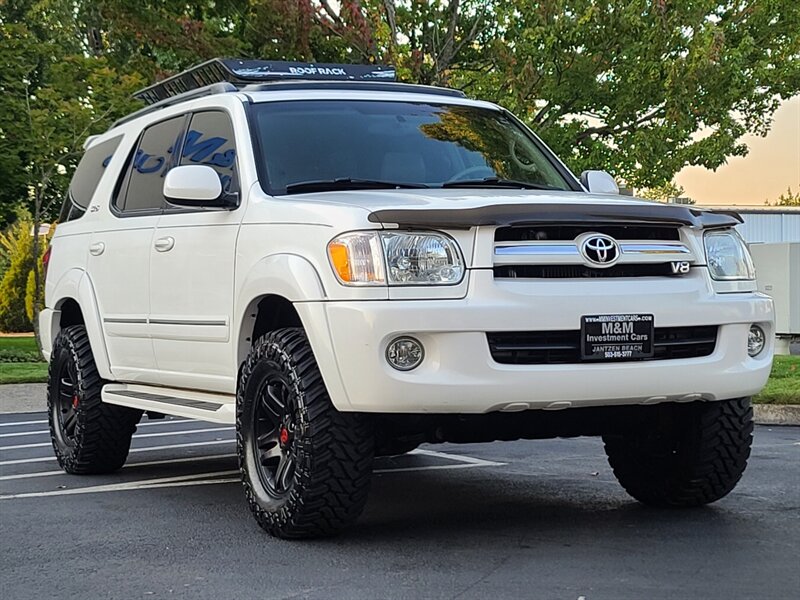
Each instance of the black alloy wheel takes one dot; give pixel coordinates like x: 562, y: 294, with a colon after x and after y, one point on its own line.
x: 275, y: 436
x: 88, y: 435
x: 66, y: 402
x: 305, y: 466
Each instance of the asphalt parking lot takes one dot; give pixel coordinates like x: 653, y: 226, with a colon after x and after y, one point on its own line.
x: 539, y: 519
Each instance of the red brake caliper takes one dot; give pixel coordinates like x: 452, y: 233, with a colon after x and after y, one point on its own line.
x: 283, y: 437
x: 75, y: 401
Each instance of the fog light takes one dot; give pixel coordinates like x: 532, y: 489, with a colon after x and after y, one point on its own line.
x: 756, y: 340
x: 405, y: 353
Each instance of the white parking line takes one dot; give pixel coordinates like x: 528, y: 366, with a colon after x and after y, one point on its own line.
x: 17, y: 434
x: 135, y: 437
x: 467, y: 462
x: 197, y: 479
x: 464, y: 462
x: 478, y: 462
x: 151, y: 463
x: 149, y: 422
x: 24, y: 423
x: 47, y: 431
x: 24, y: 461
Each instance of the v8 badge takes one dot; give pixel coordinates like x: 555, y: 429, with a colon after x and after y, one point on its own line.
x: 680, y: 267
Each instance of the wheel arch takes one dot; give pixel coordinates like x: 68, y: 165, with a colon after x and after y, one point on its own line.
x: 76, y: 304
x: 274, y: 283
x: 263, y: 314
x: 280, y: 291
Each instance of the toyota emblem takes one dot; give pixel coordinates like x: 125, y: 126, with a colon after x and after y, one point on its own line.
x: 600, y: 250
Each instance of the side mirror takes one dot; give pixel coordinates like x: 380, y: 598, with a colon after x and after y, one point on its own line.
x: 196, y: 186
x: 599, y: 182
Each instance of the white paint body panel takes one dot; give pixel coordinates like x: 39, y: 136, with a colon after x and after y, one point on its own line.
x: 168, y: 321
x: 121, y: 277
x: 191, y: 298
x: 459, y: 375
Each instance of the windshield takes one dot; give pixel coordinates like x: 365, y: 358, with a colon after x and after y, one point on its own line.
x: 317, y: 145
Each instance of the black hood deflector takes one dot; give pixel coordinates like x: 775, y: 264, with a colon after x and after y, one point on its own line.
x: 573, y: 214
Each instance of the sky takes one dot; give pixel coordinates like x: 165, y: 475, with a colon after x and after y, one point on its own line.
x: 772, y: 165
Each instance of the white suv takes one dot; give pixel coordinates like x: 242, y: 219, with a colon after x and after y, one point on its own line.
x: 344, y: 266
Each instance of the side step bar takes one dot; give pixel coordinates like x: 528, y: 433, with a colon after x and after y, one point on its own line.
x: 216, y: 408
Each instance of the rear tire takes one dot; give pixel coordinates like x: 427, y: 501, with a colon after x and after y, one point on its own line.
x: 691, y: 455
x: 306, y: 467
x: 88, y: 436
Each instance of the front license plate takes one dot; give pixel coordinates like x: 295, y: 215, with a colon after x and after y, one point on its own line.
x: 616, y: 337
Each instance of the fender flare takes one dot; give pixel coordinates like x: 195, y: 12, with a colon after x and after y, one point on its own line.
x: 287, y: 275
x: 294, y: 278
x: 76, y: 285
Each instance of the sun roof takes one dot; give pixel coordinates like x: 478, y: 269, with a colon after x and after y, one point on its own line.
x: 241, y: 72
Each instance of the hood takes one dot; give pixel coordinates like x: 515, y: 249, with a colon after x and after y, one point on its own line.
x: 468, y: 208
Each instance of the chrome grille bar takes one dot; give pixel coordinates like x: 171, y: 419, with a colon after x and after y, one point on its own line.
x: 567, y: 253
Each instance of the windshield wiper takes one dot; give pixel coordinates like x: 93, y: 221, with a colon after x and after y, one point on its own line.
x: 348, y: 183
x: 497, y: 182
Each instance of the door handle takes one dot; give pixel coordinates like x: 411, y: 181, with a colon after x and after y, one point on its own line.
x: 97, y: 248
x: 164, y: 244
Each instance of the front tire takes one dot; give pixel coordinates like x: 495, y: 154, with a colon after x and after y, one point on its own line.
x: 306, y: 467
x: 88, y: 436
x: 689, y: 455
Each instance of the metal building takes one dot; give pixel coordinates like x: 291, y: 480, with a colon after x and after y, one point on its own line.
x: 769, y: 225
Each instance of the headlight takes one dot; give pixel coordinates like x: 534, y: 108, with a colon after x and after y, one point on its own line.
x: 396, y: 258
x: 727, y: 256
x: 422, y: 259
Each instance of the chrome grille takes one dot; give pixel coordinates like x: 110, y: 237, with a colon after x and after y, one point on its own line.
x: 560, y: 252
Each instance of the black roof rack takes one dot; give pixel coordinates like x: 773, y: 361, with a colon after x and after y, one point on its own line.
x: 214, y: 88
x: 243, y: 72
x: 222, y: 75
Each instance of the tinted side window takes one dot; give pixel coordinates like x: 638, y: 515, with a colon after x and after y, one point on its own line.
x: 154, y: 156
x: 209, y: 141
x: 86, y: 178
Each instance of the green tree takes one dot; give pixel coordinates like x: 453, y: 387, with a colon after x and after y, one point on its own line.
x: 662, y: 193
x: 790, y: 198
x: 640, y: 88
x: 57, y: 94
x: 159, y: 37
x: 34, y: 294
x: 643, y: 88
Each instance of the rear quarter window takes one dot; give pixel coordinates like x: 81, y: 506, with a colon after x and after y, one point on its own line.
x: 87, y: 176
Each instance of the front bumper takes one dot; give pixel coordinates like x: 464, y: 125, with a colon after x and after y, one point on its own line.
x: 459, y: 375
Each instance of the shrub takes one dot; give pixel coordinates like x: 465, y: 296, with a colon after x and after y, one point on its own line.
x: 17, y: 245
x: 3, y: 263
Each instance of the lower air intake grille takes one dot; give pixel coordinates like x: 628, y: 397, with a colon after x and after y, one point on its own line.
x: 564, y: 347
